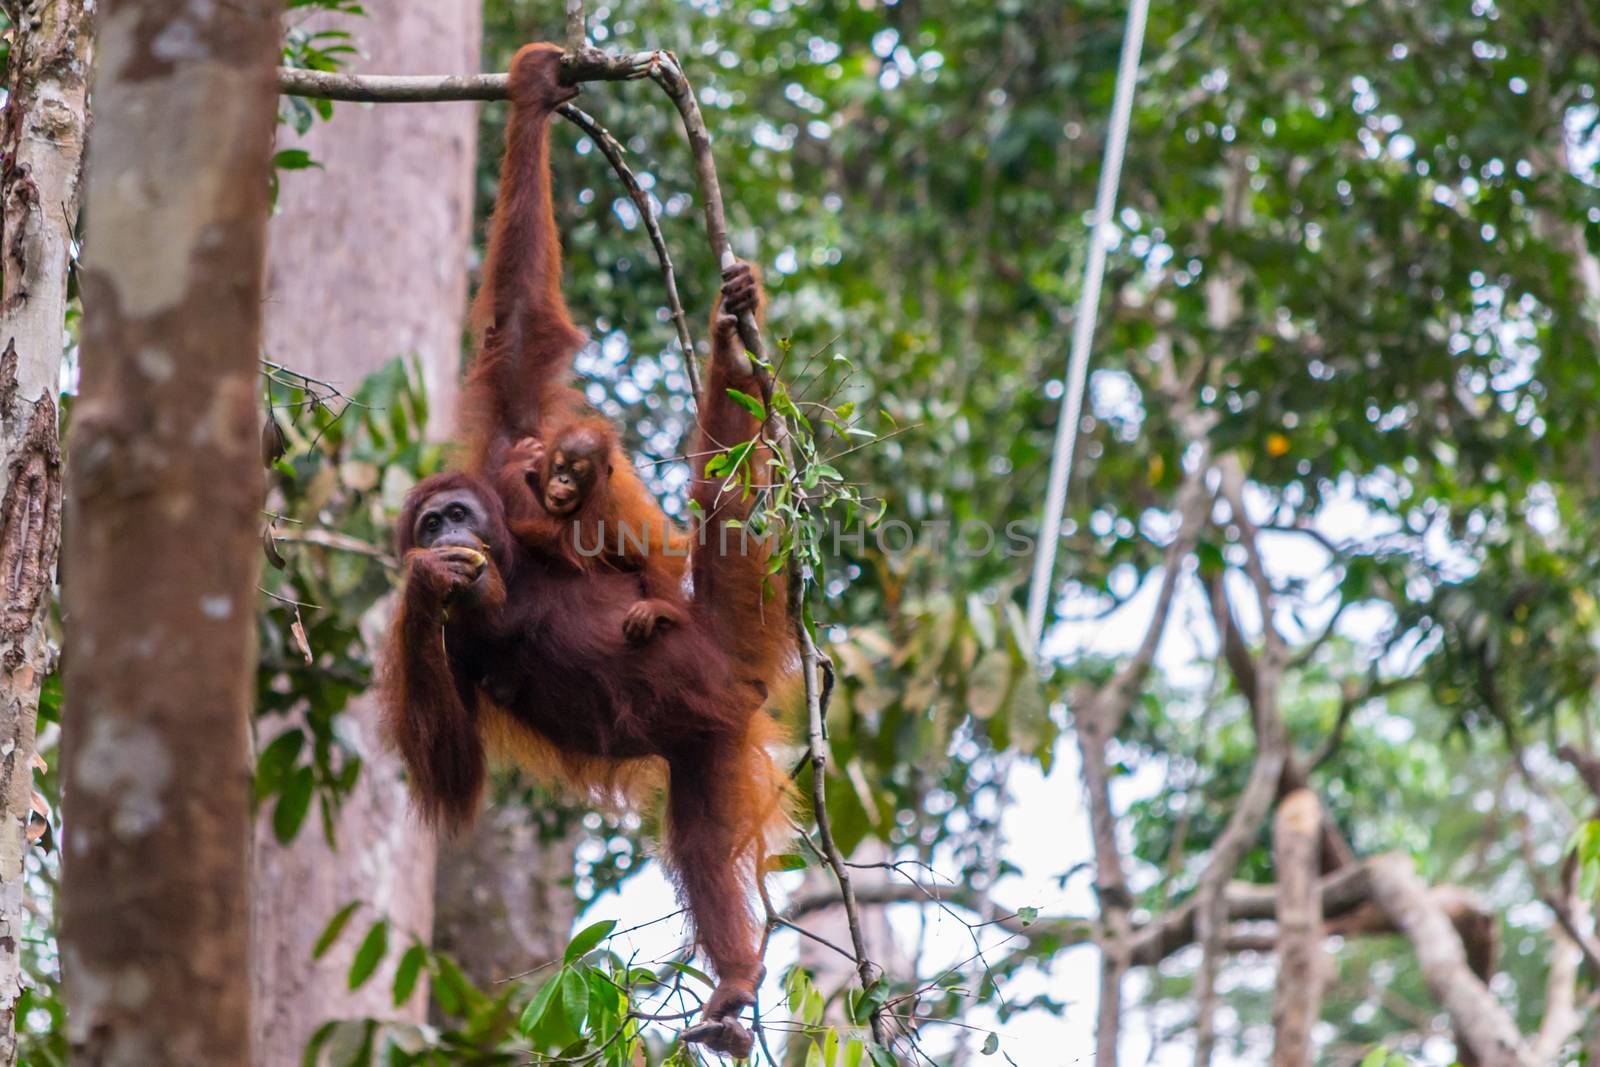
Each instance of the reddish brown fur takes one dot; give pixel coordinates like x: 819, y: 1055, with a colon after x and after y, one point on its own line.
x: 527, y: 652
x: 616, y: 524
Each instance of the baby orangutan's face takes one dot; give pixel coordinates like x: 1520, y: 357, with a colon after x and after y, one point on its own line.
x: 573, y: 470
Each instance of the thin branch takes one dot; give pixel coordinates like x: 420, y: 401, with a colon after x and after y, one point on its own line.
x: 1194, y: 507
x: 1251, y: 809
x: 816, y: 670
x: 778, y: 920
x: 1568, y: 921
x: 339, y: 542
x: 1233, y: 482
x: 1336, y: 851
x: 667, y: 73
x: 320, y: 390
x: 1585, y: 763
x: 614, y: 152
x: 820, y: 756
x: 945, y: 897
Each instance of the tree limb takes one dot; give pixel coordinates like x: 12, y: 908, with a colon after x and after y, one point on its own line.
x: 1479, y: 1018
x: 1585, y: 763
x: 589, y: 65
x: 647, y: 213
x: 1336, y: 851
x: 1254, y: 803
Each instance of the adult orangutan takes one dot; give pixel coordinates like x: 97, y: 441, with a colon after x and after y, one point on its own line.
x: 501, y: 646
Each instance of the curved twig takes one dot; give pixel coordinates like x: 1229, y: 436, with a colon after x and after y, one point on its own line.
x: 613, y: 151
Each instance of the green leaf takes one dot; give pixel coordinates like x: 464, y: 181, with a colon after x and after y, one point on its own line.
x: 882, y: 1057
x: 813, y: 1056
x: 319, y: 1037
x: 606, y: 1001
x: 588, y: 938
x: 370, y: 954
x: 330, y: 933
x: 277, y: 759
x: 574, y: 997
x: 787, y: 861
x: 534, y: 1012
x: 865, y: 1003
x: 1028, y: 915
x: 751, y: 404
x: 739, y: 453
x: 294, y: 159
x: 991, y: 1044
x: 795, y: 986
x: 293, y: 803
x: 853, y: 1051
x: 691, y: 972
x: 407, y: 972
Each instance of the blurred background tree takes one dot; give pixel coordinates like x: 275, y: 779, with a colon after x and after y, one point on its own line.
x: 1332, y: 524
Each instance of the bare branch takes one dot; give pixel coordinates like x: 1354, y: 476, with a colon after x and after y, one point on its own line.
x: 1479, y: 1018
x: 1336, y: 851
x: 588, y: 65
x: 337, y: 541
x: 391, y: 88
x: 1069, y: 929
x: 1194, y: 507
x: 667, y: 73
x: 641, y: 199
x: 1585, y: 763
x: 1272, y: 750
x: 1561, y: 1016
x: 812, y: 669
x: 1233, y: 491
x: 1346, y: 908
x: 1566, y: 915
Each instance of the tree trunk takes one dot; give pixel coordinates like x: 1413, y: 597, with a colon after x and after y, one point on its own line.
x: 41, y: 140
x: 367, y: 263
x: 1295, y: 854
x: 369, y: 253
x: 504, y: 902
x: 162, y: 538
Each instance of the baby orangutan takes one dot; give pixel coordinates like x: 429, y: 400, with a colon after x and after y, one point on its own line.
x: 587, y: 505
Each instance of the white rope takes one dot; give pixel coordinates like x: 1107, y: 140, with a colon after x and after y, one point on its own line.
x: 1094, y: 270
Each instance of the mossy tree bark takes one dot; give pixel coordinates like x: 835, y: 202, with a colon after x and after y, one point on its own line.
x: 41, y: 143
